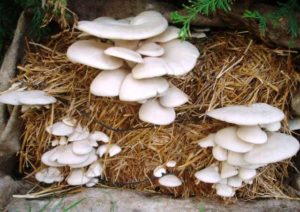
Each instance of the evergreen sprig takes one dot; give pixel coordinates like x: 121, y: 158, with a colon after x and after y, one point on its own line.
x: 204, y: 7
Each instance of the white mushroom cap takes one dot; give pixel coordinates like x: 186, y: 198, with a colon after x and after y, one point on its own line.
x: 219, y: 153
x: 151, y: 50
x: 82, y: 147
x: 49, y: 175
x: 294, y: 124
x: 171, y: 33
x: 77, y: 177
x: 153, y: 112
x: 247, y: 174
x: 258, y: 113
x: 69, y: 121
x: 174, y: 97
x: 65, y: 155
x: 180, y: 57
x: 209, y: 174
x: 252, y: 134
x: 278, y: 147
x: 169, y: 180
x: 146, y: 24
x: 227, y: 170
x: 60, y: 129
x: 95, y: 170
x: 207, y: 141
x: 227, y: 138
x: 99, y: 136
x: 171, y: 163
x: 225, y: 190
x: 272, y: 127
x: 108, y: 83
x: 92, y: 157
x: 91, y: 53
x: 112, y: 149
x: 92, y: 182
x: 123, y: 53
x: 159, y: 171
x: 35, y: 97
x: 135, y: 90
x: 79, y: 134
x: 235, y: 182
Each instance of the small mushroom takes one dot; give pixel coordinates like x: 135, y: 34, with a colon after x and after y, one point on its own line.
x: 49, y: 175
x: 235, y: 182
x: 124, y: 53
x: 99, y: 136
x: 219, y: 153
x: 227, y: 139
x: 159, y: 171
x: 252, y: 134
x: 92, y: 182
x: 169, y: 180
x: 69, y: 121
x: 77, y: 177
x: 225, y: 190
x: 150, y: 49
x: 60, y: 129
x: 112, y: 149
x: 272, y: 127
x: 171, y: 164
x: 153, y: 112
x: 247, y: 174
x: 207, y: 141
x: 95, y: 170
x: 209, y: 174
x: 79, y: 134
x: 174, y: 97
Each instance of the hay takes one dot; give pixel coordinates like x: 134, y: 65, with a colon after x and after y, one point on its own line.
x: 232, y: 69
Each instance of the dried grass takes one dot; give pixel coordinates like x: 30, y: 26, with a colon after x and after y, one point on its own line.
x: 232, y: 69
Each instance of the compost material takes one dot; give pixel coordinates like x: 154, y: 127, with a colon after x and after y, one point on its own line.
x: 232, y: 69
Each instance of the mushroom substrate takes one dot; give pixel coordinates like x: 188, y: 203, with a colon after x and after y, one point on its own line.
x: 153, y: 146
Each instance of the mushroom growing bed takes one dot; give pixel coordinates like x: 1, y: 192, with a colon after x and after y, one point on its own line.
x: 179, y: 101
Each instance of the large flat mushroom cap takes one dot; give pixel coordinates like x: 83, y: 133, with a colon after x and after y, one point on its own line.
x: 174, y: 97
x: 108, y: 83
x: 136, y: 90
x: 91, y: 53
x: 278, y: 147
x: 153, y: 112
x: 145, y: 25
x: 35, y: 97
x: 252, y: 134
x: 228, y: 139
x: 258, y: 113
x: 124, y: 53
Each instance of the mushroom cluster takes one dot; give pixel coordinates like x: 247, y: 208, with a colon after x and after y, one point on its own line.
x: 242, y: 149
x: 137, y: 53
x: 76, y: 149
x: 164, y: 178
